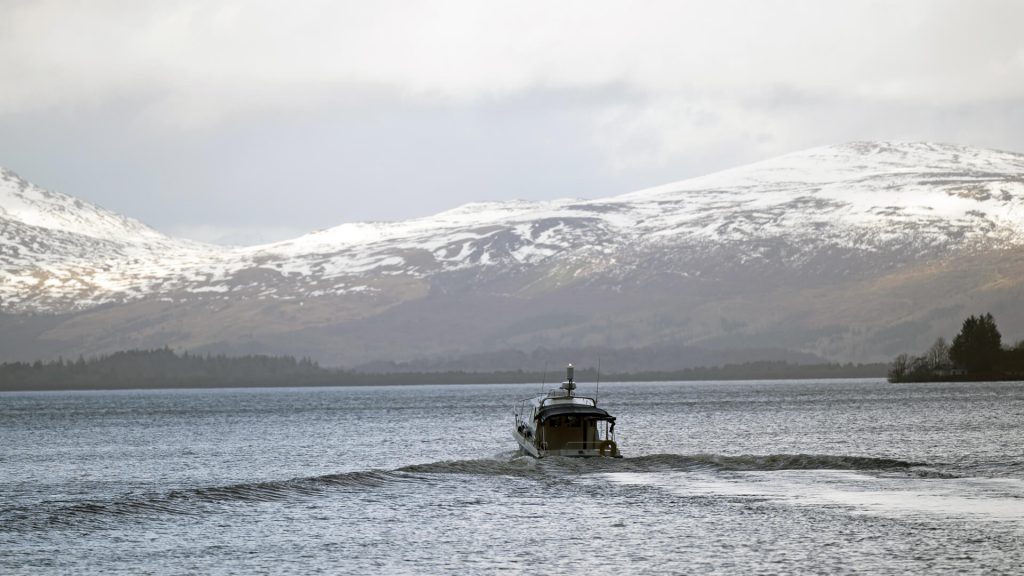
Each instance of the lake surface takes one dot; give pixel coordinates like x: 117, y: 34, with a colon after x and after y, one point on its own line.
x: 813, y: 477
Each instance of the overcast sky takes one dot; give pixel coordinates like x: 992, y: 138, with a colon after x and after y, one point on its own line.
x: 245, y: 121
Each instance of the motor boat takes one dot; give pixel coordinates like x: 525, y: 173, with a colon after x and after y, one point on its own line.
x: 560, y: 423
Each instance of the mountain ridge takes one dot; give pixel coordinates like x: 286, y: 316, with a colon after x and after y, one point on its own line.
x: 687, y: 262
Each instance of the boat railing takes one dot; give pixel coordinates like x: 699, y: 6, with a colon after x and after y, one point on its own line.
x: 520, y: 409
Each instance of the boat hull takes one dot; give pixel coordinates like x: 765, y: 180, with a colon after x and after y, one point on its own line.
x: 527, y: 446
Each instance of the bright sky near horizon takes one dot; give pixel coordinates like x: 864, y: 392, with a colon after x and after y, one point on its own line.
x: 248, y: 121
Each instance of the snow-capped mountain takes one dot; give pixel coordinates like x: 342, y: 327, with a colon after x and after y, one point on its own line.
x: 825, y: 219
x: 58, y: 253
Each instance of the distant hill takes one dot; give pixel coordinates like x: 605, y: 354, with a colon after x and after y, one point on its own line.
x: 851, y: 252
x: 648, y: 359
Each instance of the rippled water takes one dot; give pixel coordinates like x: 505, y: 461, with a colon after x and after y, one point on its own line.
x: 719, y: 477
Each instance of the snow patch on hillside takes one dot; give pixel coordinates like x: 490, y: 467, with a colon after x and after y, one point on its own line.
x: 59, y: 253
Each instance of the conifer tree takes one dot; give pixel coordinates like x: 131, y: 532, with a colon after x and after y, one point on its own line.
x: 978, y: 345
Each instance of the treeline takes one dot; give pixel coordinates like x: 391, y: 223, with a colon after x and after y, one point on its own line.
x: 164, y: 368
x: 976, y: 354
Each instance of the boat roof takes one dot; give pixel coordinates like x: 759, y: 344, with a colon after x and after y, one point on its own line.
x: 551, y: 410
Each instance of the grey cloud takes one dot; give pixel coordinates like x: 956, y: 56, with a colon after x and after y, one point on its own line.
x: 250, y: 120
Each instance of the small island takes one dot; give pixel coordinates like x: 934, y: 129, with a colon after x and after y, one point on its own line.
x: 976, y: 355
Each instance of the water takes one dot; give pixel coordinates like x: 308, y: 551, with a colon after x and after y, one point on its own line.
x: 825, y: 477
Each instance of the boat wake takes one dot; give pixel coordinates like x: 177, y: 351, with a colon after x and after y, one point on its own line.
x: 92, y: 514
x: 526, y: 466
x: 104, y: 513
x: 772, y: 462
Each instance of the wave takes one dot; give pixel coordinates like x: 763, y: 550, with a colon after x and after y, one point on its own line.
x: 784, y: 462
x: 95, y: 514
x: 526, y: 466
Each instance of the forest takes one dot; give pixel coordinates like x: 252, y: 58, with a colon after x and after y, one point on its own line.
x: 162, y: 368
x: 977, y: 353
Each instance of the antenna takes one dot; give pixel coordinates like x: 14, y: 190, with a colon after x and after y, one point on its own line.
x: 598, y: 392
x: 570, y: 384
x: 544, y: 379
